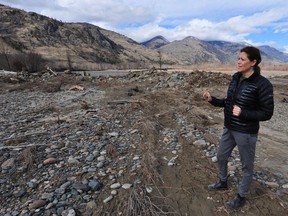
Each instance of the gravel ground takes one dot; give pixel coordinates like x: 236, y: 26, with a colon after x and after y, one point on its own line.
x: 143, y: 143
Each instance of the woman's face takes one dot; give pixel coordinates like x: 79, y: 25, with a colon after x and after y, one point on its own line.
x: 244, y: 64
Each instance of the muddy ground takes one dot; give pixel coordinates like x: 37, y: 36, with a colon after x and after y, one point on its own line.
x: 155, y: 101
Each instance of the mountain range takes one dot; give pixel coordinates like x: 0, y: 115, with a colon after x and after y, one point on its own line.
x: 191, y: 50
x: 89, y: 47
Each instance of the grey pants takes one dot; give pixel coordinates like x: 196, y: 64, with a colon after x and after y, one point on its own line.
x: 246, y: 144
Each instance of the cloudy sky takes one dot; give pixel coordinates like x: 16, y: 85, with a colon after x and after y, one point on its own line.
x: 257, y: 22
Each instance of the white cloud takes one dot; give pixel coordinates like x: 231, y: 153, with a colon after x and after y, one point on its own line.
x: 235, y: 29
x: 115, y: 12
x: 285, y: 49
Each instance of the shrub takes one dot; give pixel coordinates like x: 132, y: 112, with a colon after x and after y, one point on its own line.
x: 31, y: 62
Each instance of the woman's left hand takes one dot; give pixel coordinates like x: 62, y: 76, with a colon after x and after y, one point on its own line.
x: 236, y: 110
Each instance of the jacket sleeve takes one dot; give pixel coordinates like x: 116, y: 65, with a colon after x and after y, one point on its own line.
x: 266, y: 105
x: 217, y: 102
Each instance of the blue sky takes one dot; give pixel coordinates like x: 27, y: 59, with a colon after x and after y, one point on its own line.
x: 257, y: 22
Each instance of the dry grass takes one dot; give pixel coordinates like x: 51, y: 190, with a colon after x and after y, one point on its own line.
x: 140, y: 204
x: 149, y: 163
x: 28, y: 158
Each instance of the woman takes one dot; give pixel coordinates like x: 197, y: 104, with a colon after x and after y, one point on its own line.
x: 249, y: 100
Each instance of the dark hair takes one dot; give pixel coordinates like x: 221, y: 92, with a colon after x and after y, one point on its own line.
x: 253, y: 53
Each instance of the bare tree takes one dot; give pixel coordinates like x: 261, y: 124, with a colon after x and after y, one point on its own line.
x: 4, y: 52
x: 69, y: 60
x: 34, y: 62
x: 160, y: 59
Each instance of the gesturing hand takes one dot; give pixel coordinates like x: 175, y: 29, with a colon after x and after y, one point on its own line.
x: 207, y: 96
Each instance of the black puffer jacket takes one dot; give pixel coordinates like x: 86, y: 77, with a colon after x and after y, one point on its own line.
x: 254, y: 96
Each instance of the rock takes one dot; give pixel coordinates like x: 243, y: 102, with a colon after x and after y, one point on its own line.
x: 68, y: 212
x: 47, y: 196
x: 126, y: 186
x: 73, y: 161
x: 91, y: 205
x: 82, y: 187
x: 114, y: 192
x: 37, y: 204
x: 272, y: 184
x: 214, y: 159
x: 232, y: 168
x: 113, y: 134
x: 8, y: 164
x: 19, y: 193
x: 108, y: 199
x: 200, y: 142
x: 49, y: 161
x: 32, y: 184
x: 65, y: 185
x: 172, y: 161
x: 100, y: 164
x: 90, y: 158
x: 136, y: 157
x: 94, y: 185
x: 101, y: 158
x: 60, y: 191
x: 149, y: 189
x: 115, y: 186
x: 50, y: 205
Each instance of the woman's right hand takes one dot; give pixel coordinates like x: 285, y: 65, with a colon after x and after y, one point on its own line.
x: 207, y: 96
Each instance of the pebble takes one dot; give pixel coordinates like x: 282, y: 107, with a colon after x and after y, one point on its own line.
x: 91, y: 205
x: 272, y: 184
x: 8, y: 164
x: 214, y: 159
x: 101, y: 158
x: 115, y: 185
x: 32, y: 184
x: 126, y: 186
x: 100, y: 164
x: 49, y: 161
x: 37, y: 204
x: 68, y: 212
x: 149, y: 189
x: 114, y: 192
x: 108, y: 199
x: 200, y: 142
x: 94, y: 184
x: 73, y: 161
x: 81, y: 187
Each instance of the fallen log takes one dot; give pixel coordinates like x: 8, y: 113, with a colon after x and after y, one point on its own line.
x: 17, y: 148
x: 123, y: 101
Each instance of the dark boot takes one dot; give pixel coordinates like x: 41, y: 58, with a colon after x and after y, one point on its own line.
x: 236, y: 203
x: 221, y: 185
